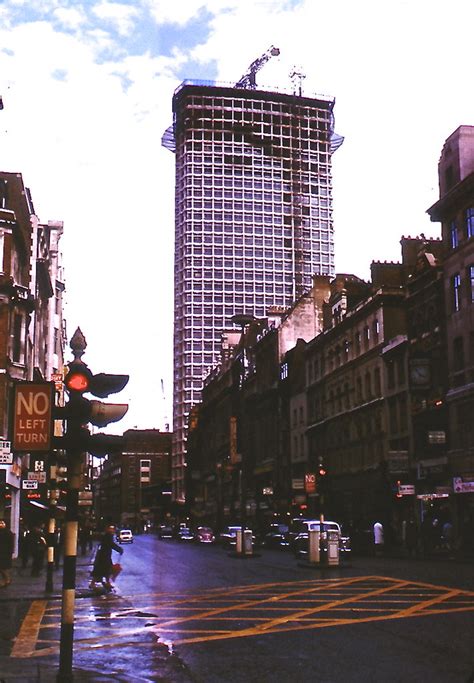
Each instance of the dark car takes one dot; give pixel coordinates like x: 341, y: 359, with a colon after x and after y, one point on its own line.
x: 300, y: 542
x: 165, y: 531
x: 204, y: 534
x: 229, y: 535
x: 185, y: 534
x: 276, y: 536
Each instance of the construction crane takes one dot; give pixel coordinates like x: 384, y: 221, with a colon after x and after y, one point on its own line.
x: 248, y: 79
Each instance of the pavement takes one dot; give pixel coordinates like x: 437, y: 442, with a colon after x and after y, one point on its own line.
x: 18, y: 596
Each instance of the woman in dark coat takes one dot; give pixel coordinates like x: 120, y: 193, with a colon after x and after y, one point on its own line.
x: 6, y: 553
x: 102, y: 568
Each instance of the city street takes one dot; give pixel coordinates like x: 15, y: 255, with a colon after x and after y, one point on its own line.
x: 196, y: 613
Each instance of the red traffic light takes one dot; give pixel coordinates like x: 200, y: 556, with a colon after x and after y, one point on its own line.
x: 322, y: 471
x: 79, y: 377
x: 77, y: 381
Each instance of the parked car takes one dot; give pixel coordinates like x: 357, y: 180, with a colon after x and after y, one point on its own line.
x: 165, y: 531
x: 124, y: 536
x: 276, y: 536
x: 185, y: 534
x: 229, y: 535
x: 204, y: 534
x: 300, y: 542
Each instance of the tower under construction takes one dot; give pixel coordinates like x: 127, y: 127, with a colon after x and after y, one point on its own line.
x: 253, y: 219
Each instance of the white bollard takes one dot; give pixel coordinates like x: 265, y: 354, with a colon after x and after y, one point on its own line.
x: 313, y: 546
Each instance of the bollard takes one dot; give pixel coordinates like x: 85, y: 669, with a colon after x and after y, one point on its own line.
x: 333, y: 548
x: 248, y: 547
x: 314, y: 554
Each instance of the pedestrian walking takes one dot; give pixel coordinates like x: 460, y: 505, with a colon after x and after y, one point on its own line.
x: 38, y: 545
x: 6, y: 553
x: 378, y: 538
x: 103, y: 566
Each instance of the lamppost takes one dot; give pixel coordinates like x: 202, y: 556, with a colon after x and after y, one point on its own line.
x: 243, y: 320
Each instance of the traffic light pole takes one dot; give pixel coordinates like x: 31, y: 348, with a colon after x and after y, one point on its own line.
x: 74, y: 467
x: 78, y: 412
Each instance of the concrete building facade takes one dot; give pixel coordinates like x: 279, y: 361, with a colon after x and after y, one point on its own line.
x: 253, y: 220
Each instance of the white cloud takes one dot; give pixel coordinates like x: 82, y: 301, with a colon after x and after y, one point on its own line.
x: 122, y: 17
x: 70, y: 17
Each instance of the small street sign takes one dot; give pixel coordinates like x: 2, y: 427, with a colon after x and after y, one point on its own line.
x: 6, y: 458
x: 37, y: 476
x: 29, y: 484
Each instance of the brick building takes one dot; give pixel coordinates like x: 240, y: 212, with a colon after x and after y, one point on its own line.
x: 455, y: 211
x: 32, y: 336
x: 132, y: 488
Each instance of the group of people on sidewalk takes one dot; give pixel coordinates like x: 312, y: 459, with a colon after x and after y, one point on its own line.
x: 32, y: 544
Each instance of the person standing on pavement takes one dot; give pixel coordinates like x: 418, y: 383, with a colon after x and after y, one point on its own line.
x: 102, y: 569
x: 6, y: 553
x: 38, y: 547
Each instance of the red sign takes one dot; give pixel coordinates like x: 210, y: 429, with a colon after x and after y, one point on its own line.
x: 310, y: 483
x: 32, y: 424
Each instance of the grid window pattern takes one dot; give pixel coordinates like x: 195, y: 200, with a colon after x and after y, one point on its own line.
x: 253, y: 219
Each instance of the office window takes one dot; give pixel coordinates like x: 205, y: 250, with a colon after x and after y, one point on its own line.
x: 470, y: 222
x: 470, y: 275
x: 456, y: 284
x: 453, y: 229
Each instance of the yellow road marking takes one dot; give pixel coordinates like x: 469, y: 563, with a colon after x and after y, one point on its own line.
x: 28, y: 634
x: 246, y: 610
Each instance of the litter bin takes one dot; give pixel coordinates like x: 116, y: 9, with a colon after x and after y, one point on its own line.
x: 332, y: 555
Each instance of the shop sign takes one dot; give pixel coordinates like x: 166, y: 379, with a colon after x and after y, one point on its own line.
x: 460, y: 486
x: 29, y: 484
x: 432, y: 496
x: 37, y: 476
x: 406, y: 490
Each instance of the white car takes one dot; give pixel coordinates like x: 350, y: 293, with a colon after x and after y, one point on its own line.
x: 125, y: 536
x: 300, y: 542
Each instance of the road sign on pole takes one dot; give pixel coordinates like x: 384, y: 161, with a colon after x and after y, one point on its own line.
x: 33, y: 419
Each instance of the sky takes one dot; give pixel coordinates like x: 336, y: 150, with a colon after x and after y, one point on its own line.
x: 87, y: 90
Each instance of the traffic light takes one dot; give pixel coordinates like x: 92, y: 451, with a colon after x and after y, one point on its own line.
x: 80, y: 380
x: 79, y: 411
